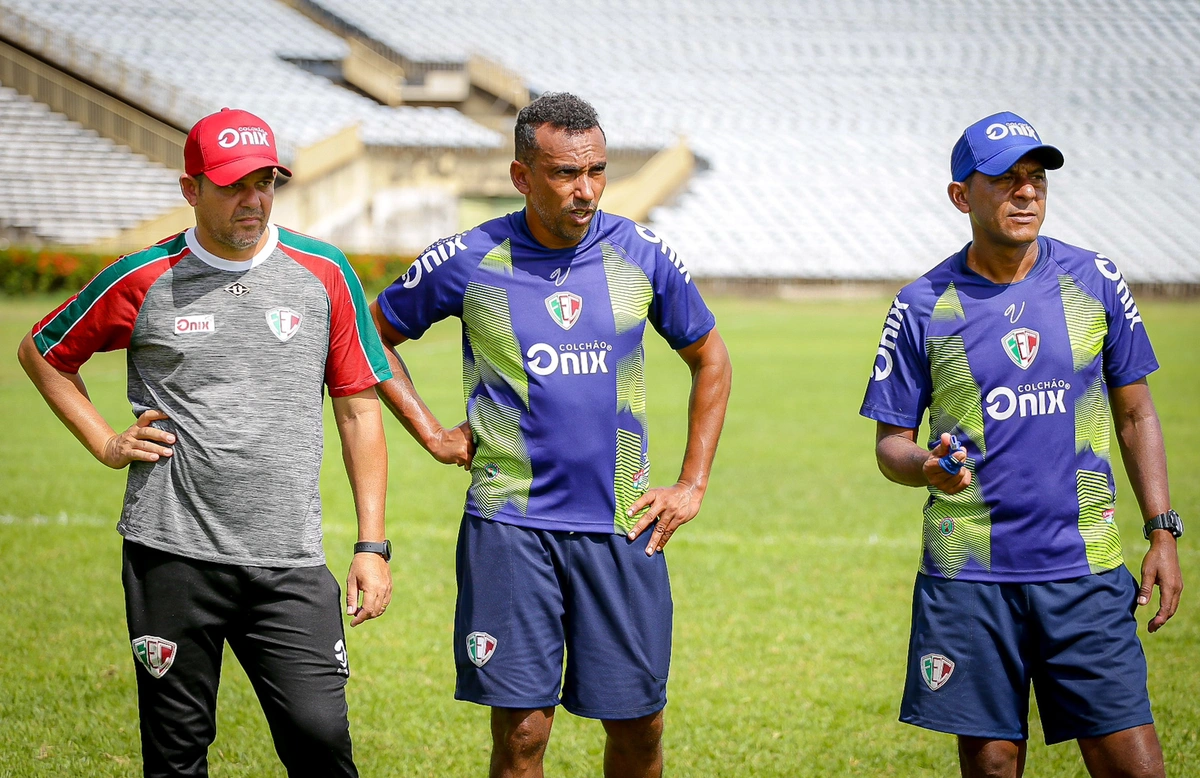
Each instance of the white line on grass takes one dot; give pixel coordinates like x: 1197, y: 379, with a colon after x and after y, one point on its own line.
x: 61, y: 520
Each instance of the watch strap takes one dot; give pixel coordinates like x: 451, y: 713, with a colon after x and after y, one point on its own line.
x: 1169, y: 521
x: 384, y: 549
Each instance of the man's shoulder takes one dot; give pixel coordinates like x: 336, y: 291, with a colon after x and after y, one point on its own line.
x: 921, y: 295
x: 1087, y: 267
x: 127, y: 267
x: 636, y: 241
x: 292, y: 241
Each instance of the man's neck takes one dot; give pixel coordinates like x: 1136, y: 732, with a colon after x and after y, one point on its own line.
x: 1002, y: 264
x: 222, y: 251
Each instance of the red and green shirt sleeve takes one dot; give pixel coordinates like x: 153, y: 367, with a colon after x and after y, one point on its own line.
x: 356, y: 358
x: 102, y: 316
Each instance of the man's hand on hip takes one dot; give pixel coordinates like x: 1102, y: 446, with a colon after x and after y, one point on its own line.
x: 671, y: 506
x: 1160, y: 567
x: 139, y: 443
x: 371, y: 578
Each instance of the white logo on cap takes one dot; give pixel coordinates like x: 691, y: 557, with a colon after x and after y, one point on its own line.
x: 1000, y: 131
x: 250, y: 136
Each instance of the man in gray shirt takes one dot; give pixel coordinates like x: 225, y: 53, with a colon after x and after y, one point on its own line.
x: 234, y: 329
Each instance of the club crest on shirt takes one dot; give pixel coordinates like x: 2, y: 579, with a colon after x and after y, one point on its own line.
x: 936, y: 670
x: 155, y: 654
x: 564, y: 308
x: 480, y: 647
x: 1022, y: 346
x: 284, y: 323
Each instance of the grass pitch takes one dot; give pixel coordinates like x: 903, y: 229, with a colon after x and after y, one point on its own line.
x: 792, y: 587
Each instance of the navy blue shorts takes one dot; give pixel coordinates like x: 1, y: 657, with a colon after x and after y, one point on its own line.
x: 975, y: 649
x: 525, y: 595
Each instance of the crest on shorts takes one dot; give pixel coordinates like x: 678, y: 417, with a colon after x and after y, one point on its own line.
x: 564, y: 308
x: 480, y: 647
x: 284, y: 323
x: 155, y: 654
x: 1022, y: 345
x: 936, y: 670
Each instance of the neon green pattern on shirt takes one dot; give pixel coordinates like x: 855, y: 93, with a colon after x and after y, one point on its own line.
x: 956, y: 401
x: 949, y: 307
x: 958, y: 527
x: 627, y: 489
x: 489, y: 331
x: 1086, y: 323
x: 508, y: 474
x: 628, y: 289
x: 1092, y: 429
x: 1101, y: 538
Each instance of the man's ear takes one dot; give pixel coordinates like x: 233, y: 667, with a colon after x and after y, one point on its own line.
x: 957, y: 191
x: 190, y: 187
x: 519, y: 172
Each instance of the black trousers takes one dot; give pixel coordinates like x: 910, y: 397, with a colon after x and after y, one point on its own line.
x: 285, y: 627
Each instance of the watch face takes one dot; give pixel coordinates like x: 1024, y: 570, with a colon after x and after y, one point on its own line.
x: 387, y: 550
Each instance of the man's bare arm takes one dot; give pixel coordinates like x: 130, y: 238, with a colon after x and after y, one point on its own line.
x: 364, y: 452
x: 450, y: 446
x: 1139, y: 434
x: 674, y: 506
x: 67, y: 396
x: 900, y: 459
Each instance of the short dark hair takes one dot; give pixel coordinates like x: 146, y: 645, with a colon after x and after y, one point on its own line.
x: 562, y: 110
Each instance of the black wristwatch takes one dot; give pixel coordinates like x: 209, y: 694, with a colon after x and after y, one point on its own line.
x: 1169, y: 521
x: 384, y: 549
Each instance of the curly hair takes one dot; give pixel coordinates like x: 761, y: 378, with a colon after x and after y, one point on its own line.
x: 562, y: 110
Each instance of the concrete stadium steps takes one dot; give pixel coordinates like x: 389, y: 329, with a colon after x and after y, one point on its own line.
x: 181, y: 60
x: 828, y: 126
x: 65, y: 184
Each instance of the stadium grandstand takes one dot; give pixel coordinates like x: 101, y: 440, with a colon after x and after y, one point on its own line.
x: 776, y: 139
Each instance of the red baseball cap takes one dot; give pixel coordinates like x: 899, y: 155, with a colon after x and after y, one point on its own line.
x: 227, y: 145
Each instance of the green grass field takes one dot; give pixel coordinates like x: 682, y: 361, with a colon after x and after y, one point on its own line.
x: 792, y: 587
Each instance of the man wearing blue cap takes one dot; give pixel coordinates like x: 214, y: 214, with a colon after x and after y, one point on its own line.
x: 1021, y: 347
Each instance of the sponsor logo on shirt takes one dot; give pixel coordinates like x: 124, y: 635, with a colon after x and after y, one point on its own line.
x: 284, y: 323
x: 1022, y: 345
x: 564, y: 308
x: 650, y: 237
x: 189, y: 325
x: 1040, y: 398
x: 339, y: 653
x: 242, y: 136
x: 480, y: 647
x: 435, y: 256
x: 936, y: 669
x: 156, y: 654
x: 569, y: 358
x: 887, y: 341
x: 1109, y: 270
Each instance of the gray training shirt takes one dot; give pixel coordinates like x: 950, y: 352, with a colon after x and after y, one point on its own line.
x: 237, y: 354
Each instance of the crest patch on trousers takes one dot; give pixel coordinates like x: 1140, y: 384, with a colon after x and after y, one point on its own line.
x: 155, y: 654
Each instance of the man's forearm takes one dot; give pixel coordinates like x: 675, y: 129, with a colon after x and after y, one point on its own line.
x: 901, y: 460
x: 399, y: 394
x: 712, y: 378
x: 364, y: 452
x: 67, y: 396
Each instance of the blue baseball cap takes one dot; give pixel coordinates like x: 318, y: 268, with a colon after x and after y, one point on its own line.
x: 994, y: 144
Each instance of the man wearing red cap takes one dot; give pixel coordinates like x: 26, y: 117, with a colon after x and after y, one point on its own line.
x: 234, y: 329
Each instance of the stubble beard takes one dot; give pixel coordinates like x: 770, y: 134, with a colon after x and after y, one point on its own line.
x: 557, y: 224
x: 240, y: 239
